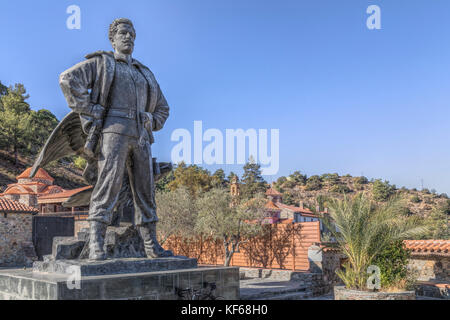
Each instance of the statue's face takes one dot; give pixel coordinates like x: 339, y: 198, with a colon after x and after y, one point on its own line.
x: 123, y: 41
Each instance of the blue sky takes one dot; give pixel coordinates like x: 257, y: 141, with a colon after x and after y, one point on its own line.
x: 345, y: 99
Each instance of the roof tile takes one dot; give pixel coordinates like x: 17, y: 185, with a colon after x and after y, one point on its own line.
x: 64, y: 194
x: 10, y: 206
x: 40, y: 174
x: 272, y: 192
x: 424, y: 247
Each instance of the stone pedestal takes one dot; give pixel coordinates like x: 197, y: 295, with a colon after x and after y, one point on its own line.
x: 66, y: 274
x: 156, y: 285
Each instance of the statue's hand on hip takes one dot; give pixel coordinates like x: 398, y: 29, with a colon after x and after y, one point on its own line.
x: 147, y: 120
x: 97, y: 111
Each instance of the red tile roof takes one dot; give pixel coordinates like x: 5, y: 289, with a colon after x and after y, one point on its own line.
x: 24, y: 188
x: 271, y: 206
x: 40, y: 174
x: 51, y: 190
x: 64, y: 194
x: 277, y: 206
x: 295, y: 209
x: 10, y: 206
x: 428, y: 247
x: 327, y: 246
x: 18, y: 189
x: 272, y: 192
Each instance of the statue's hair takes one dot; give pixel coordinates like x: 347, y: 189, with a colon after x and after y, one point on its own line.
x: 115, y: 24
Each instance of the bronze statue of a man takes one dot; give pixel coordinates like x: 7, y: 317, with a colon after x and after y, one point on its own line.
x: 118, y: 104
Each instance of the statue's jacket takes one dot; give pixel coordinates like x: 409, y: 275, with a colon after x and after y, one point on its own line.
x: 89, y: 83
x: 84, y: 85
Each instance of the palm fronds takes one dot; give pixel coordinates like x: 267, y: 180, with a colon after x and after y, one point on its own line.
x: 362, y: 229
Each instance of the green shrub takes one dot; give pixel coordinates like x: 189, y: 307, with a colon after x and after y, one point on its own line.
x: 405, y: 211
x: 361, y: 180
x: 330, y: 178
x: 298, y: 177
x: 340, y: 188
x: 393, y: 261
x: 415, y: 199
x: 439, y: 224
x: 288, y: 199
x: 80, y: 163
x: 289, y: 184
x: 382, y: 191
x: 314, y: 183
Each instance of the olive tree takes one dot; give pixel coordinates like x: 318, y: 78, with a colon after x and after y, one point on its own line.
x: 218, y: 219
x: 177, y: 213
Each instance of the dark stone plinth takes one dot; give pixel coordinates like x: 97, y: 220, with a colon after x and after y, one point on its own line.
x: 120, y: 242
x: 66, y: 248
x: 114, y: 266
x: 19, y: 284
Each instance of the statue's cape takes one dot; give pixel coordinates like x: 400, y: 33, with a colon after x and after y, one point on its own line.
x: 66, y: 140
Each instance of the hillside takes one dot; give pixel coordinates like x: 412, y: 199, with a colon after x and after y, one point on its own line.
x: 295, y: 188
x: 65, y: 174
x: 312, y: 191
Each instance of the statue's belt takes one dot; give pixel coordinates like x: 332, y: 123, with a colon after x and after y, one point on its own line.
x: 124, y: 113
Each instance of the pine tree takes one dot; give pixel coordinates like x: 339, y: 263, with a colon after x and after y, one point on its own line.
x: 14, y: 119
x: 253, y: 182
x: 3, y: 91
x: 231, y: 175
x: 218, y: 179
x: 42, y: 123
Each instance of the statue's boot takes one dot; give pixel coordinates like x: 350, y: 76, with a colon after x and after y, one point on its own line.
x: 152, y: 248
x: 97, y: 240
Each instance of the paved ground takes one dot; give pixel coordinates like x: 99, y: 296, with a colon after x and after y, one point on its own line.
x: 258, y: 288
x: 263, y: 289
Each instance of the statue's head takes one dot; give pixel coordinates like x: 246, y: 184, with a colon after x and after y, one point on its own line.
x: 122, y: 35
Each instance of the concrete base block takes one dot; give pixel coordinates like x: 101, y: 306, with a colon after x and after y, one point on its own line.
x: 19, y: 284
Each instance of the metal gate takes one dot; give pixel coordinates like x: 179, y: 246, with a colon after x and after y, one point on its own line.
x: 45, y: 228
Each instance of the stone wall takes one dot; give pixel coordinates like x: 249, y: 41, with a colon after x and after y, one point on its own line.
x: 325, y: 262
x: 430, y: 268
x: 432, y: 273
x: 16, y: 246
x: 332, y: 261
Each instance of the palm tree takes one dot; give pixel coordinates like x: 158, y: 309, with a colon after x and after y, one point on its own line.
x: 362, y: 229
